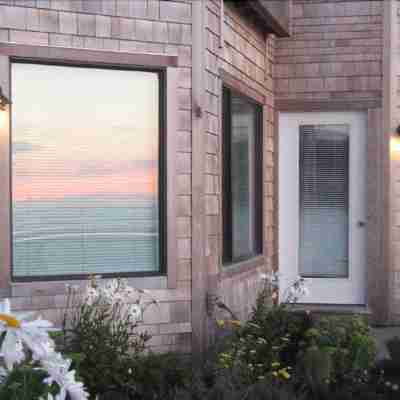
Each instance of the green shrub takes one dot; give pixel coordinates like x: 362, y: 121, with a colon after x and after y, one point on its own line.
x: 268, y: 391
x: 317, y: 355
x: 24, y: 383
x: 160, y: 376
x: 376, y: 387
x: 315, y: 366
x: 113, y: 395
x: 284, y: 328
x: 393, y: 346
x: 391, y: 365
x: 349, y: 344
x: 100, y: 334
x: 104, y: 339
x: 267, y: 345
x: 227, y: 387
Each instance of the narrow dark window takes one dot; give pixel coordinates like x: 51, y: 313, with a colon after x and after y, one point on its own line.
x: 242, y: 177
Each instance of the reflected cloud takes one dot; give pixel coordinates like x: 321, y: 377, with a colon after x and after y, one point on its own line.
x: 85, y: 144
x: 101, y: 168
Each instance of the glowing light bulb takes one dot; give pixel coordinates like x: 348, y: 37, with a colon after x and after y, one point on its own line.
x: 395, y: 148
x: 3, y: 118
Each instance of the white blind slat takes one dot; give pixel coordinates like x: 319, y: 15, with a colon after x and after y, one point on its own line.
x: 324, y: 196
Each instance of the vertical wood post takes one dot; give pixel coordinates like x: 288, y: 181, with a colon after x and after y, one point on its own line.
x: 388, y: 127
x: 5, y: 225
x: 199, y: 271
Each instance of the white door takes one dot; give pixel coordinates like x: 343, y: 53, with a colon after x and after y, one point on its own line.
x: 322, y: 210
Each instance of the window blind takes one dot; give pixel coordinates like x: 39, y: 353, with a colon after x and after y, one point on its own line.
x: 85, y: 146
x: 242, y: 172
x: 324, y: 197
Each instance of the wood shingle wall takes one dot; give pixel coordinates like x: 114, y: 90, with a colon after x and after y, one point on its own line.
x: 394, y: 271
x: 334, y: 60
x: 165, y: 27
x: 245, y: 55
x: 129, y: 26
x: 335, y: 52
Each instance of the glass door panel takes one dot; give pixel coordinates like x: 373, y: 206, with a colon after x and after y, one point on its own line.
x: 324, y: 201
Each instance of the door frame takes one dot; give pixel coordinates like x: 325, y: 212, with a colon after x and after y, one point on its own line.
x: 376, y: 198
x: 352, y: 288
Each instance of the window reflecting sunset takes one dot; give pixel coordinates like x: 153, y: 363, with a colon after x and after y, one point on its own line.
x: 85, y: 144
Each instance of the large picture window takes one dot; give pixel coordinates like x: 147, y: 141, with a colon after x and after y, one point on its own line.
x: 86, y: 161
x: 242, y: 177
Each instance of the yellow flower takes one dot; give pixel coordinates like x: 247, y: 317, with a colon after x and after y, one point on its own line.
x: 225, y: 356
x: 275, y: 374
x: 220, y: 323
x: 275, y: 364
x: 10, y: 321
x: 283, y: 373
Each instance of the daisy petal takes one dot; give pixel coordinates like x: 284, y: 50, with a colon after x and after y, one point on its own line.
x: 12, y: 350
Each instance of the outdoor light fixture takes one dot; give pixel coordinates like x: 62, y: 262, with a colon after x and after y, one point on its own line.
x: 3, y: 100
x: 395, y: 144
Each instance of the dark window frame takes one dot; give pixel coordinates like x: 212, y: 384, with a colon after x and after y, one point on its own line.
x: 162, y: 171
x: 227, y: 242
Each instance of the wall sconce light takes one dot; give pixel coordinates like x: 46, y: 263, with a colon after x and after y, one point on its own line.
x: 3, y: 100
x: 395, y: 144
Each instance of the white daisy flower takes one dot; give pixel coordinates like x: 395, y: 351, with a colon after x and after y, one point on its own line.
x: 58, y: 369
x: 91, y: 295
x: 272, y: 278
x: 18, y: 331
x: 305, y: 291
x: 136, y: 312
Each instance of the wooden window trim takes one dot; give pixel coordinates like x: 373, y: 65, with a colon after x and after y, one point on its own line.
x: 10, y: 52
x: 252, y: 264
x: 240, y: 87
x: 326, y: 105
x: 83, y: 56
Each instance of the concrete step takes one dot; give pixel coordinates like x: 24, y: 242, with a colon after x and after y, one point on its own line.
x: 333, y: 309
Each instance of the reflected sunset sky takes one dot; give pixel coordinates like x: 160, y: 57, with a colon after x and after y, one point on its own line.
x: 79, y: 132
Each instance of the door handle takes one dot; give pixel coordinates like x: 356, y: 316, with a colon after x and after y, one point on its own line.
x: 361, y: 224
